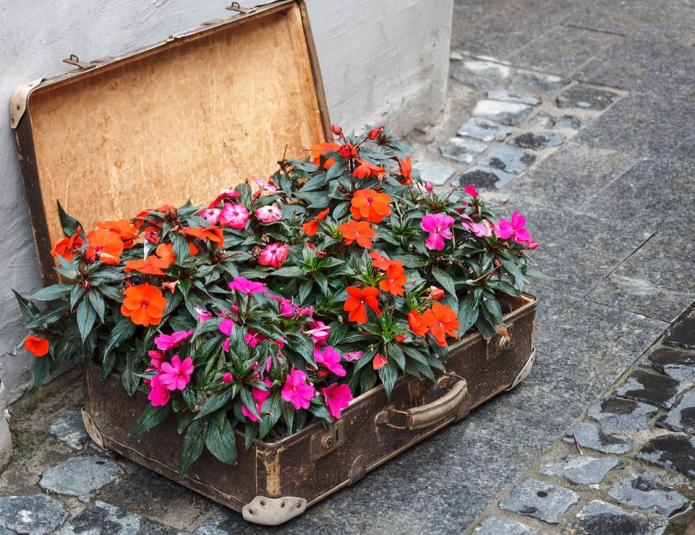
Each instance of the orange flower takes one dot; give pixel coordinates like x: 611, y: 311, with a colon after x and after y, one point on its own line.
x: 312, y: 226
x: 383, y: 263
x: 406, y: 171
x: 370, y: 205
x: 318, y: 150
x: 150, y: 266
x: 165, y: 251
x: 379, y: 361
x: 66, y: 246
x: 355, y: 304
x: 417, y: 323
x: 38, y: 346
x: 357, y: 230
x: 213, y: 234
x: 441, y: 320
x: 366, y: 169
x: 105, y: 245
x: 395, y: 279
x: 126, y: 232
x: 144, y: 304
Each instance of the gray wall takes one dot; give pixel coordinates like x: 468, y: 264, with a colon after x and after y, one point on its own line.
x: 383, y: 62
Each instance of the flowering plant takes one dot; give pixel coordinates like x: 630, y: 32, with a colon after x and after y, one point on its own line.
x: 281, y: 302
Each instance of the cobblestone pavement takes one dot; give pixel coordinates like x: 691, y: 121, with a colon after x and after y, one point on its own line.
x: 580, y: 111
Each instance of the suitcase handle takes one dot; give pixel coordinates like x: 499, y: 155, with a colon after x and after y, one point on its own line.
x: 455, y: 404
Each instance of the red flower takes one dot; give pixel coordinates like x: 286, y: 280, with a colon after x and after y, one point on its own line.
x: 370, y: 205
x: 374, y: 132
x: 436, y: 293
x: 355, y: 304
x: 144, y: 305
x: 357, y: 230
x: 441, y: 320
x: 366, y: 169
x: 38, y: 346
x: 395, y: 279
x: 406, y: 171
x: 312, y: 226
x: 348, y: 150
x: 104, y: 245
x: 67, y: 246
x: 417, y: 323
x: 319, y: 150
x: 336, y: 129
x: 379, y: 361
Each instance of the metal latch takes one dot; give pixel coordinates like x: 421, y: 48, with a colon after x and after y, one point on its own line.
x: 74, y: 60
x: 331, y: 439
x: 243, y: 10
x: 498, y: 345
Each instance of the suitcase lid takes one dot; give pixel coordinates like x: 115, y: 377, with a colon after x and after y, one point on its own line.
x: 182, y: 118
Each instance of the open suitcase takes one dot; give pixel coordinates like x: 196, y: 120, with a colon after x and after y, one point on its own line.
x: 185, y: 117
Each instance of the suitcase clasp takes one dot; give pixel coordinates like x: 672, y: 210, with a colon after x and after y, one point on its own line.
x: 243, y: 10
x: 327, y: 441
x: 498, y: 344
x: 74, y: 60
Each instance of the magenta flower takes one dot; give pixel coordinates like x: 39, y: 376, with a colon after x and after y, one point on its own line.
x: 166, y: 341
x: 159, y: 393
x: 269, y: 214
x: 330, y: 359
x: 514, y: 229
x: 245, y: 286
x: 156, y: 358
x: 274, y: 255
x: 224, y: 194
x: 479, y: 229
x: 438, y: 226
x: 286, y: 309
x: 253, y: 338
x: 266, y: 186
x: 233, y: 215
x: 352, y: 356
x: 210, y: 215
x: 227, y: 377
x: 176, y: 376
x: 304, y: 311
x: 296, y: 391
x: 225, y: 328
x: 337, y: 397
x: 470, y: 190
x: 203, y: 315
x: 319, y: 333
x: 259, y: 396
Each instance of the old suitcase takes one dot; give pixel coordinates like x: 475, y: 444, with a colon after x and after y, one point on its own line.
x: 185, y: 117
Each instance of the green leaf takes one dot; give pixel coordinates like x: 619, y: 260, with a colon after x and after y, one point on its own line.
x: 468, y: 313
x: 53, y: 292
x: 68, y: 223
x: 123, y: 330
x: 86, y: 315
x: 503, y: 286
x: 485, y: 327
x: 129, y: 378
x: 150, y: 417
x: 289, y: 272
x: 97, y: 302
x: 29, y: 309
x: 445, y: 280
x: 530, y: 272
x: 305, y: 290
x: 493, y: 307
x: 107, y: 365
x: 53, y: 313
x: 322, y: 281
x: 192, y: 444
x: 220, y: 439
x: 180, y: 249
x: 41, y: 367
x: 249, y: 402
x: 388, y: 375
x: 214, y: 402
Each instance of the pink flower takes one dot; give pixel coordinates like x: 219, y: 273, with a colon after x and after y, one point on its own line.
x: 352, y: 356
x: 319, y: 333
x: 438, y: 226
x: 245, y: 286
x: 176, y: 376
x: 227, y: 377
x: 296, y: 391
x: 159, y: 393
x: 479, y: 229
x: 210, y: 215
x: 330, y: 358
x: 166, y: 341
x: 304, y: 311
x: 274, y: 255
x: 224, y: 194
x: 203, y: 315
x: 156, y: 358
x: 259, y: 396
x: 470, y: 190
x: 225, y: 328
x: 233, y: 215
x: 428, y: 186
x: 286, y: 308
x: 337, y: 397
x: 266, y: 186
x: 269, y: 214
x: 252, y: 339
x: 515, y: 229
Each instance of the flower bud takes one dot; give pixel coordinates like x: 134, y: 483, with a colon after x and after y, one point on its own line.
x: 429, y: 186
x: 227, y: 377
x: 374, y: 132
x: 151, y: 236
x: 436, y: 293
x: 336, y: 129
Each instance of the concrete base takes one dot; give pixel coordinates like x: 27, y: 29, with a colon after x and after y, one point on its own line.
x: 5, y: 437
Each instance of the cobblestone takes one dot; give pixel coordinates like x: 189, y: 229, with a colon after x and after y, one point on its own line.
x: 647, y: 491
x: 509, y: 159
x: 483, y: 74
x: 506, y: 96
x: 582, y: 470
x: 484, y: 177
x: 674, y: 363
x: 622, y: 414
x: 544, y: 501
x: 495, y: 525
x: 507, y: 113
x: 546, y: 120
x: 69, y: 428
x: 534, y: 83
x: 80, y: 477
x: 33, y: 515
x: 433, y: 173
x: 675, y: 452
x: 587, y: 98
x: 601, y: 518
x: 681, y: 417
x: 462, y: 150
x: 538, y: 140
x: 653, y: 389
x: 682, y: 334
x: 595, y: 438
x: 484, y: 130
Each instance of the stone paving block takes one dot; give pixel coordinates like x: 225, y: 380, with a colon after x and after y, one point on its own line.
x: 433, y: 173
x: 582, y: 469
x: 682, y: 334
x: 587, y: 98
x: 653, y: 389
x: 509, y: 159
x: 507, y: 113
x: 647, y: 491
x: 595, y: 438
x: 681, y: 417
x: 483, y: 177
x: 601, y: 518
x: 483, y: 74
x: 673, y: 362
x: 147, y: 493
x: 538, y: 140
x: 622, y: 414
x: 496, y: 525
x: 102, y: 518
x: 541, y: 500
x: 484, y: 130
x: 506, y: 96
x: 462, y: 150
x: 675, y: 452
x: 554, y: 122
x: 69, y: 428
x: 534, y: 83
x: 33, y: 515
x: 80, y: 476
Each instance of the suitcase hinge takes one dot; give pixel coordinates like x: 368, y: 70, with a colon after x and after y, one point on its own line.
x: 498, y: 344
x: 74, y: 60
x: 243, y: 10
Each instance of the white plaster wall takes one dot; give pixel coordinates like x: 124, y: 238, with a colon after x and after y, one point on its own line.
x: 383, y: 62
